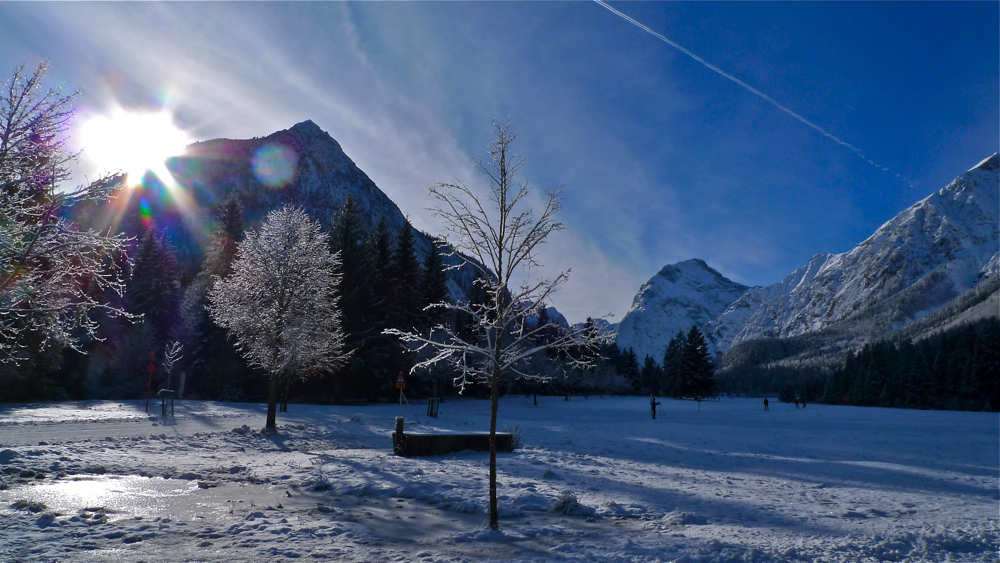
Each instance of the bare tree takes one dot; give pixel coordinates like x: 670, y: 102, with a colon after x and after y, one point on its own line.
x: 171, y: 355
x: 52, y: 272
x: 502, y: 236
x: 280, y: 302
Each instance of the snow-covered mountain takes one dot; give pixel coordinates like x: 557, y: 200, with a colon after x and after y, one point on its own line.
x: 914, y: 264
x: 302, y: 165
x: 603, y: 325
x: 934, y: 251
x: 678, y: 297
x: 555, y: 317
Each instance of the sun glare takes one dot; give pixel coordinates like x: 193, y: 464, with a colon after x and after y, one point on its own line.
x: 133, y: 142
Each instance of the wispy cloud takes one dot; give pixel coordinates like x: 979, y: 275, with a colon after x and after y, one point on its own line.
x: 662, y: 160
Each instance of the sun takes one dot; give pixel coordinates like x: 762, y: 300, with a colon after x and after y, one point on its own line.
x: 133, y: 142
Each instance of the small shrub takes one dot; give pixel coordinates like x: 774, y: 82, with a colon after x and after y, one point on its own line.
x: 515, y: 438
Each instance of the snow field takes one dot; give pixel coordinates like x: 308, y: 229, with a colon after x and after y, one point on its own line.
x: 595, y: 480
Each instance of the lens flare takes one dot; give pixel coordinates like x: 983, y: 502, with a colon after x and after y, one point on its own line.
x: 133, y: 142
x: 145, y: 213
x: 274, y: 165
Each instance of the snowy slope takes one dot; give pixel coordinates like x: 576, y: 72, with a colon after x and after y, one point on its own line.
x: 104, y: 481
x: 737, y: 315
x: 938, y: 247
x: 913, y: 265
x: 679, y: 296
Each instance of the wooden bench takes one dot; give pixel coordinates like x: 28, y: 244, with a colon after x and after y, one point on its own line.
x: 420, y: 444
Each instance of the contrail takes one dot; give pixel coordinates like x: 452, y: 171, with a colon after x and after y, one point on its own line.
x: 748, y: 87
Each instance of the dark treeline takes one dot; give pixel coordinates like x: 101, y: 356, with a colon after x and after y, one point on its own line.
x: 958, y: 369
x: 384, y: 284
x: 686, y: 371
x: 785, y: 382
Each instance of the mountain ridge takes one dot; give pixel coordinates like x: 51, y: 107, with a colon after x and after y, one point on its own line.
x: 915, y: 263
x: 302, y: 165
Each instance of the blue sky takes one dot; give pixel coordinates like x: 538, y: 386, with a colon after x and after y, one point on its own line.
x: 661, y: 159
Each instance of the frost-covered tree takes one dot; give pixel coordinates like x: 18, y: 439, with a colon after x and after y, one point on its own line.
x: 502, y: 235
x: 54, y: 274
x: 280, y: 303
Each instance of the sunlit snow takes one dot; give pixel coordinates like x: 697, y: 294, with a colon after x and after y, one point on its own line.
x: 595, y: 479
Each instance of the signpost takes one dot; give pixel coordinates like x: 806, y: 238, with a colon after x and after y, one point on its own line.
x: 401, y: 384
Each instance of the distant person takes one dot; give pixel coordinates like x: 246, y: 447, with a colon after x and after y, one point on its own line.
x: 796, y: 402
x: 765, y: 404
x: 652, y: 405
x: 803, y: 403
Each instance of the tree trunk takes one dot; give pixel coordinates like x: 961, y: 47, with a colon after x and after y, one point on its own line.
x: 494, y: 400
x: 272, y: 403
x: 283, y: 405
x: 337, y: 397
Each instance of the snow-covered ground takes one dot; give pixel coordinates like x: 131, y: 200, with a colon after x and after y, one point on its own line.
x: 594, y: 480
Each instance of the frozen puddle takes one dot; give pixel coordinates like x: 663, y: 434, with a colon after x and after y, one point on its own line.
x: 132, y: 496
x: 131, y: 518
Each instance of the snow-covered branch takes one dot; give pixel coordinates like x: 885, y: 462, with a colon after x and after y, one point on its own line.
x: 53, y: 275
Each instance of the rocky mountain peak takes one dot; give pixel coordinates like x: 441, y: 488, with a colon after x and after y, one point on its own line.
x: 991, y: 163
x: 308, y: 127
x: 679, y: 296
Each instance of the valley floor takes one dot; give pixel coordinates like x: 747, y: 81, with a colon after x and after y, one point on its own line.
x: 595, y: 479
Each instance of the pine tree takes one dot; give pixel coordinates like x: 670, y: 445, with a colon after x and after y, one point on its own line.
x: 650, y: 376
x: 219, y: 371
x: 699, y: 374
x: 229, y: 232
x: 989, y: 364
x: 631, y: 370
x: 379, y: 249
x: 404, y: 276
x: 359, y: 303
x: 155, y: 287
x: 356, y: 292
x: 434, y: 288
x: 673, y: 366
x: 372, y: 368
